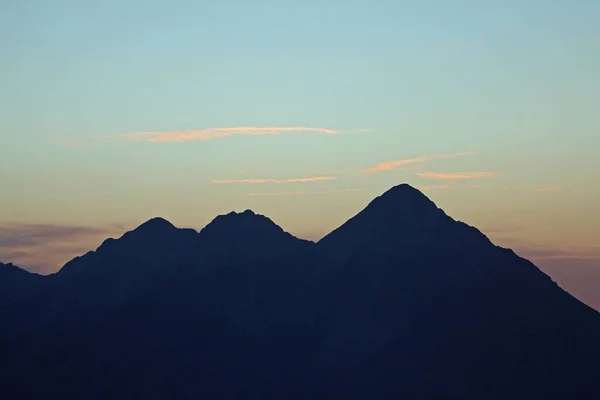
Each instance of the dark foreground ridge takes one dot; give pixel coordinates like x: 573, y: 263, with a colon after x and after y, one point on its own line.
x: 401, y: 301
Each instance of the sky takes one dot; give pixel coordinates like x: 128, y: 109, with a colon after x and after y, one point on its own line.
x: 114, y: 112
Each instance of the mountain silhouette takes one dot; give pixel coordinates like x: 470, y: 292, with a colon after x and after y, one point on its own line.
x: 402, y: 218
x: 243, y: 238
x: 148, y: 256
x: 401, y: 301
x: 17, y: 283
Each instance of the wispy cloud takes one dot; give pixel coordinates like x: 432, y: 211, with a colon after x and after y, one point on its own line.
x: 18, y: 235
x: 453, y: 176
x: 45, y: 247
x: 214, y: 133
x: 260, y: 181
x: 546, y: 188
x: 391, y: 165
x: 301, y: 192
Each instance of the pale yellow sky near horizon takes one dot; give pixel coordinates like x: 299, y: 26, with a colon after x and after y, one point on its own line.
x: 525, y: 220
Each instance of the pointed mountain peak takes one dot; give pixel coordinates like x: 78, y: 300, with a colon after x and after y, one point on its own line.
x: 400, y: 207
x: 404, y: 189
x: 245, y: 237
x: 234, y: 215
x: 404, y: 199
x: 147, y: 244
x: 400, y: 216
x: 156, y: 230
x: 156, y: 224
x: 247, y: 222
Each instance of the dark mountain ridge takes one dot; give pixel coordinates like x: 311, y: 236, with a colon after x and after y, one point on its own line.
x: 17, y: 283
x: 400, y: 301
x: 145, y: 257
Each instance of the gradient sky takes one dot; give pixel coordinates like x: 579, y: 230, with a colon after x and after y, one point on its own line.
x: 112, y: 112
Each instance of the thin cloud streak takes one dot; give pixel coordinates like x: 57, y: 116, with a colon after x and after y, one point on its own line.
x: 452, y: 176
x: 391, y: 165
x: 45, y: 247
x: 261, y: 181
x: 23, y: 235
x: 214, y: 133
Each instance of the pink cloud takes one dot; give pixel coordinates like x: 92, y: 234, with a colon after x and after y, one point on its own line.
x: 213, y: 133
x: 452, y: 176
x: 391, y: 165
x: 264, y: 181
x: 45, y: 248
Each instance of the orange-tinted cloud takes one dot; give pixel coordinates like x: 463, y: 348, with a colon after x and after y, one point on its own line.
x: 213, y: 133
x: 264, y: 181
x: 391, y: 165
x: 452, y: 176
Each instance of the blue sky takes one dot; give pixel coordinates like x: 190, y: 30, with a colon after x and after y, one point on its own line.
x: 515, y: 82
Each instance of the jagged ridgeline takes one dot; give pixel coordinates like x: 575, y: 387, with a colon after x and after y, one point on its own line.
x: 401, y: 301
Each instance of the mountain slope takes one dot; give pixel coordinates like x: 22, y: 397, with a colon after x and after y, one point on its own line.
x: 245, y: 238
x: 401, y: 301
x: 17, y: 283
x: 401, y: 218
x: 150, y: 256
x: 117, y: 270
x: 417, y: 286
